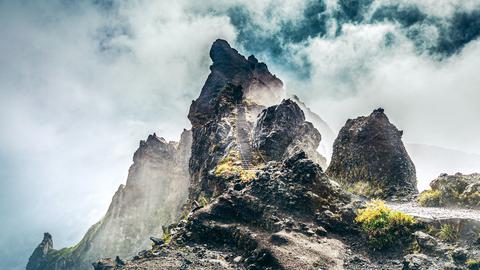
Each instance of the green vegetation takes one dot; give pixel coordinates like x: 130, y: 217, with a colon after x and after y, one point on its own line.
x: 383, y: 226
x: 167, y: 236
x: 231, y: 166
x: 448, y: 233
x: 364, y: 188
x: 473, y: 264
x: 429, y: 198
x: 202, y: 201
x: 472, y: 199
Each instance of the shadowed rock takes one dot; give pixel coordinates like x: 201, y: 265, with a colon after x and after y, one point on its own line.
x: 230, y: 67
x: 39, y: 256
x: 281, y: 131
x: 370, y: 158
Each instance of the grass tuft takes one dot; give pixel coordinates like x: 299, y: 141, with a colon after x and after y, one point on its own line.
x: 383, y: 226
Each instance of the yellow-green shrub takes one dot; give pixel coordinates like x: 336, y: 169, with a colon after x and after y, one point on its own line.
x: 230, y: 166
x: 473, y: 264
x: 365, y: 188
x: 383, y: 226
x: 448, y: 233
x: 430, y: 198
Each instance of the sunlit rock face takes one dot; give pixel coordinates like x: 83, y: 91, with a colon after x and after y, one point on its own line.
x: 370, y: 158
x: 281, y: 130
x: 156, y: 189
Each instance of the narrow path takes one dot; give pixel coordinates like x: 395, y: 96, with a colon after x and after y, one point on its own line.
x: 415, y: 210
x: 242, y: 138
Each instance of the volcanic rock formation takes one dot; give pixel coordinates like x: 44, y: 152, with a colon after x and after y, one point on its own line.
x: 328, y: 137
x: 230, y: 67
x: 369, y: 158
x: 236, y: 87
x: 257, y: 197
x: 281, y: 130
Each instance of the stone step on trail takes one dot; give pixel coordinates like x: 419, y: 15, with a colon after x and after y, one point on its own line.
x: 242, y: 138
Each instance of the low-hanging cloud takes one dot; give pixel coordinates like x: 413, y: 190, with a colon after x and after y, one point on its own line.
x: 81, y: 82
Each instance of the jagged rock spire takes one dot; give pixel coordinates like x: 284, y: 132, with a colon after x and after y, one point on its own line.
x: 231, y: 68
x: 39, y: 255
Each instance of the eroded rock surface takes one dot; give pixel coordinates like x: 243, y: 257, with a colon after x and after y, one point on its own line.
x: 156, y: 189
x: 328, y: 136
x: 458, y: 190
x: 281, y: 130
x: 39, y: 255
x: 369, y: 158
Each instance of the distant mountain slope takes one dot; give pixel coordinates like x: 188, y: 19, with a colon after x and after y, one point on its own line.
x: 431, y: 161
x: 155, y: 191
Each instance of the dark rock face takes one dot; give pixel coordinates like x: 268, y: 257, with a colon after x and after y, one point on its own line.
x: 233, y: 80
x: 368, y: 154
x: 458, y: 190
x: 288, y: 213
x: 326, y: 144
x: 281, y: 130
x: 230, y: 67
x: 38, y: 258
x: 156, y: 188
x: 260, y: 225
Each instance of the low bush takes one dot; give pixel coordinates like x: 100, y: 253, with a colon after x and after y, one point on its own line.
x: 473, y: 264
x: 448, y: 233
x: 429, y: 198
x: 231, y: 165
x: 366, y: 189
x: 383, y: 226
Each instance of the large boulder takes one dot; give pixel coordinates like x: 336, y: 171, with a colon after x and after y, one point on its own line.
x: 369, y: 158
x: 453, y: 191
x: 281, y: 131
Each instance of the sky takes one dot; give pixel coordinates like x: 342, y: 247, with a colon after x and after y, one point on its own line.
x: 81, y: 82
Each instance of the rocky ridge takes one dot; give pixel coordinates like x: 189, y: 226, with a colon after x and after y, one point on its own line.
x: 282, y: 211
x: 153, y: 196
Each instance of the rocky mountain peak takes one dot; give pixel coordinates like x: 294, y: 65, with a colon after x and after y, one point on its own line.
x: 231, y: 69
x: 40, y: 253
x: 369, y: 157
x: 222, y: 54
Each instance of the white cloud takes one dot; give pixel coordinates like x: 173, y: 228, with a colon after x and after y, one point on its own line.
x: 80, y: 86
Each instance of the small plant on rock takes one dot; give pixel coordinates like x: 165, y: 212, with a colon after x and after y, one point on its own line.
x: 231, y: 165
x: 448, y: 233
x: 429, y: 198
x: 167, y: 236
x: 473, y: 264
x: 383, y: 226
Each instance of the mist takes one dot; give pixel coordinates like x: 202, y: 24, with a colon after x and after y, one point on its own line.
x: 81, y: 82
